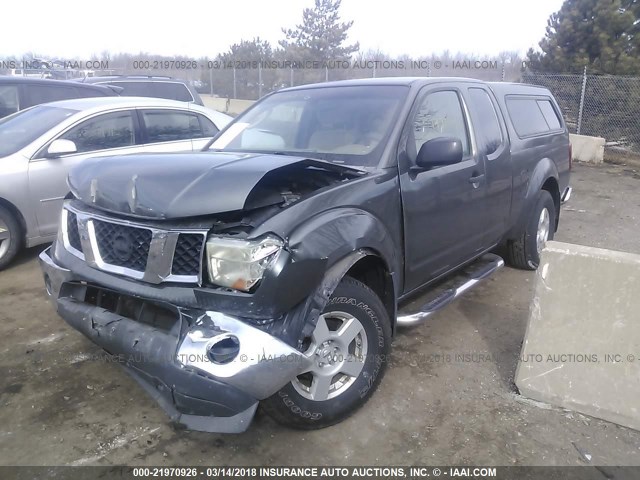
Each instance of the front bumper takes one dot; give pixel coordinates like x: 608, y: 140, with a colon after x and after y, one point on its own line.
x: 173, y: 360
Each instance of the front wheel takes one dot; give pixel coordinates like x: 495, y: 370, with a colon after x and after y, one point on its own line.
x: 525, y: 251
x: 348, y: 349
x: 10, y: 237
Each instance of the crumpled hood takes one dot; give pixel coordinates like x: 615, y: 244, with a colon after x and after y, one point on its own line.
x: 177, y: 185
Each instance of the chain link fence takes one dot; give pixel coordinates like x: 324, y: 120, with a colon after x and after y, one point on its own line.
x: 251, y: 80
x: 597, y: 105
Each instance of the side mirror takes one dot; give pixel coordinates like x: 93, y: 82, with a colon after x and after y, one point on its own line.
x: 61, y: 147
x: 439, y: 151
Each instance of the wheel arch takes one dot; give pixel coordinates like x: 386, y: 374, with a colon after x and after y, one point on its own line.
x: 543, y: 177
x: 341, y: 238
x: 363, y: 263
x: 373, y: 271
x: 552, y: 186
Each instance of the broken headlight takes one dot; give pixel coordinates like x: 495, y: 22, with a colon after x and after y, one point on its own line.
x: 240, y: 264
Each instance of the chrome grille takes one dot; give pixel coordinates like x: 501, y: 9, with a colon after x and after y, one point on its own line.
x: 72, y: 231
x: 122, y: 245
x: 188, y: 254
x: 133, y: 249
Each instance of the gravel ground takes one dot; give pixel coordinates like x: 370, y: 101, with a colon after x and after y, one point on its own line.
x: 59, y: 406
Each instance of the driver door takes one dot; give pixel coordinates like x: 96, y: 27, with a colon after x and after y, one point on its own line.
x: 444, y: 206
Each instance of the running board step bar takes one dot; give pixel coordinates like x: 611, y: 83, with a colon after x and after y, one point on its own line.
x: 477, y: 271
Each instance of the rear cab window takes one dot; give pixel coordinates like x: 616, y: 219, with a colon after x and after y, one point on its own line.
x: 532, y: 115
x: 549, y: 114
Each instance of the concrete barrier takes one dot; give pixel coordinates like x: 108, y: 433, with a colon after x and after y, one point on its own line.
x: 230, y: 106
x: 581, y: 349
x: 587, y: 149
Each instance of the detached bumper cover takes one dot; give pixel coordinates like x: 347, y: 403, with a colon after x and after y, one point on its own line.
x: 172, y: 362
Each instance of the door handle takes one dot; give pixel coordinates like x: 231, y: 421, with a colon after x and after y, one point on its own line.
x: 476, y: 179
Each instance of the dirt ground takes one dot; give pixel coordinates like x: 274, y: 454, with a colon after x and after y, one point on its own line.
x: 58, y: 406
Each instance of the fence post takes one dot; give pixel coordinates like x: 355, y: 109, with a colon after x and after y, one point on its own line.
x: 291, y: 76
x: 235, y: 92
x: 503, y: 71
x: 326, y: 73
x: 259, y: 80
x: 211, y: 81
x: 584, y: 86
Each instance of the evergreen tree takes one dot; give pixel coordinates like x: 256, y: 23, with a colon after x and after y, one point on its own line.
x: 321, y: 35
x: 599, y: 34
x: 244, y: 58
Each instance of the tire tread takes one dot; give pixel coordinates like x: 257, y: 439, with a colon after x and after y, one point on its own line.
x: 520, y: 252
x: 273, y: 406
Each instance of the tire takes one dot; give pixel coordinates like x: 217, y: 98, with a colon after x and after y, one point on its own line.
x: 524, y: 253
x: 301, y: 405
x: 10, y: 237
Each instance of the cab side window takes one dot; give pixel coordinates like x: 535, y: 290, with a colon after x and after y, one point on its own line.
x: 111, y: 130
x: 440, y: 115
x: 487, y: 117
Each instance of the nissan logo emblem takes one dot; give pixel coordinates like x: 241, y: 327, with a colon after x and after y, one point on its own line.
x: 122, y: 247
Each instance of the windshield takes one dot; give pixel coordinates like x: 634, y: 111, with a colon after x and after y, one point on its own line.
x: 20, y: 129
x: 341, y: 124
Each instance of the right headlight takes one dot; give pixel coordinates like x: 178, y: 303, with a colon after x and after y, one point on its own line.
x: 240, y: 264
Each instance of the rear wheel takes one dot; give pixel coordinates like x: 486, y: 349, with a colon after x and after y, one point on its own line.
x: 525, y: 252
x: 348, y: 349
x: 10, y: 237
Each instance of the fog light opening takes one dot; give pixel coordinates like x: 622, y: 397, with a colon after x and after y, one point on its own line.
x: 223, y: 349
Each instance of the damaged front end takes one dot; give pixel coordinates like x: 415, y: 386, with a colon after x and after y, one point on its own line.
x: 206, y: 369
x: 181, y: 292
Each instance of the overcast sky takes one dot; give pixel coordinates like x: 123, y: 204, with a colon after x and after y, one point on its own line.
x: 79, y: 28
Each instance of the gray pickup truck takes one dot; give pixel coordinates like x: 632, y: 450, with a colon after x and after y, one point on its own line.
x: 273, y: 267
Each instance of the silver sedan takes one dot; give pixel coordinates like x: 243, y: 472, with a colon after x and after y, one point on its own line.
x: 39, y: 146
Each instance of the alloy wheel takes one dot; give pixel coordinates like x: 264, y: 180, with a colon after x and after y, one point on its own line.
x: 5, y: 238
x: 337, y: 349
x: 542, y: 234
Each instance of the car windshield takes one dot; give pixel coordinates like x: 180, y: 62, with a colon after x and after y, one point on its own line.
x: 20, y: 129
x: 347, y: 125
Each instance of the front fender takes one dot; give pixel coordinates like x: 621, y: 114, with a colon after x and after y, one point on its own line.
x: 334, y: 234
x: 300, y: 322
x: 342, y: 237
